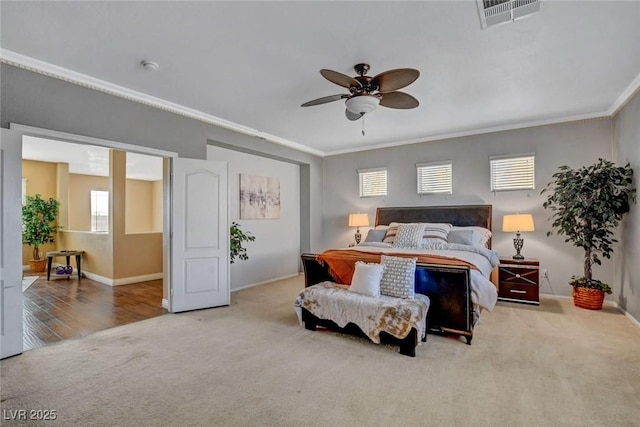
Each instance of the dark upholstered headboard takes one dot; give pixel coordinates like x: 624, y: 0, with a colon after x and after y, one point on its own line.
x: 462, y: 216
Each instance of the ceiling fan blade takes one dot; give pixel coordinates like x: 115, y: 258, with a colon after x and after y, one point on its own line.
x: 324, y: 100
x: 395, y: 79
x: 352, y: 116
x: 340, y: 79
x: 399, y: 100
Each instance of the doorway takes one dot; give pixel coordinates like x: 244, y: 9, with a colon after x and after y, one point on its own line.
x: 102, y: 215
x: 195, y: 237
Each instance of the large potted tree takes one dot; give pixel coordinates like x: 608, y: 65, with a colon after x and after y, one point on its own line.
x: 39, y: 227
x: 588, y: 204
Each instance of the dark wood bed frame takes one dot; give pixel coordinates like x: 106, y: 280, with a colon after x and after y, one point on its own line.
x: 448, y: 288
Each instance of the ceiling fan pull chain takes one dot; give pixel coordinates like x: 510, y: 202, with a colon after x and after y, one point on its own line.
x: 363, y: 125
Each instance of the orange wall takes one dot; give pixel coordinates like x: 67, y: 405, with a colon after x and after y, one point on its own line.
x: 97, y: 247
x: 141, y: 207
x: 80, y: 187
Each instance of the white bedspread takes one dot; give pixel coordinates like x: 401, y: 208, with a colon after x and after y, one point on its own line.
x: 483, y: 292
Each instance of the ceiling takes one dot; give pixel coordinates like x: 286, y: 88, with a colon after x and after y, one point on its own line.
x: 88, y: 159
x: 250, y: 65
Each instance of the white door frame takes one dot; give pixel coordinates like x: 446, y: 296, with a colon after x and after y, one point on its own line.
x: 11, y: 324
x: 87, y: 140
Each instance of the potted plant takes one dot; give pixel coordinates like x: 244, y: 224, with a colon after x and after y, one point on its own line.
x: 38, y: 227
x: 236, y: 237
x: 588, y: 203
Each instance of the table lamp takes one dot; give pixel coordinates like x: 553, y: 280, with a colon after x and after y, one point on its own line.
x: 358, y: 220
x: 517, y: 223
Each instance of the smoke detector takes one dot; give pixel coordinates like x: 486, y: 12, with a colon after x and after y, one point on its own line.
x: 494, y: 12
x: 149, y: 65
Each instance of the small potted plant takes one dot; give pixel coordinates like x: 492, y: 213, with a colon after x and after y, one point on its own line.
x: 588, y: 203
x: 38, y: 227
x: 237, y: 237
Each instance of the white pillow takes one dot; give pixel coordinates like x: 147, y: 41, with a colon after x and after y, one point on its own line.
x: 366, y: 279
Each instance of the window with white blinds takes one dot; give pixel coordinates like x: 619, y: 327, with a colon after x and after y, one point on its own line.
x: 435, y: 177
x: 373, y: 182
x: 515, y: 172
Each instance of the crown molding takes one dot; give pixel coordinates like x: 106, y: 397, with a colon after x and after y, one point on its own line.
x: 480, y: 131
x: 625, y: 96
x: 70, y: 76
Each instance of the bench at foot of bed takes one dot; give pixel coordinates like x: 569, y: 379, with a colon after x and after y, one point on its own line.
x: 407, y: 345
x: 397, y: 321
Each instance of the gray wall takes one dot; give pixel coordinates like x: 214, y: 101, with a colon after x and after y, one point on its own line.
x: 276, y: 250
x: 36, y: 100
x: 574, y: 144
x: 626, y: 138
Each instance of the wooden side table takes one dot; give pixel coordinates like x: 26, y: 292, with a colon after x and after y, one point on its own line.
x: 519, y: 280
x: 67, y: 255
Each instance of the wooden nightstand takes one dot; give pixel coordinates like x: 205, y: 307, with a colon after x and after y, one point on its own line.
x: 519, y: 280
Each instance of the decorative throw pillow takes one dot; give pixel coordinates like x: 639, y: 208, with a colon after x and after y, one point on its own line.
x: 409, y: 235
x: 375, y: 236
x: 366, y: 279
x: 398, y: 279
x: 436, y: 232
x: 391, y: 231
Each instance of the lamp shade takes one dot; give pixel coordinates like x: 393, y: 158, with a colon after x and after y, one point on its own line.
x: 362, y: 104
x: 518, y: 222
x: 358, y: 220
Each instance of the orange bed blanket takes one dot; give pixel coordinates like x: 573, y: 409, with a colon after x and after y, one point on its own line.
x: 342, y: 262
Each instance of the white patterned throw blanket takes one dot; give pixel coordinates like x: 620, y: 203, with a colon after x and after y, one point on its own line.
x: 396, y: 316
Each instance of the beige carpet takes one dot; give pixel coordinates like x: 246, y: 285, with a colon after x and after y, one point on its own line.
x: 251, y: 364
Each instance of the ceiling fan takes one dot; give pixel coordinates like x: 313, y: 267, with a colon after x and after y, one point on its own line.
x: 366, y: 93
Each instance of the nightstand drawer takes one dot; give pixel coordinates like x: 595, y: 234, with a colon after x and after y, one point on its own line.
x: 518, y: 275
x: 518, y: 291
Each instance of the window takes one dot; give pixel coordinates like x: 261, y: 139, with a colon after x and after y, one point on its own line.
x: 373, y: 182
x: 435, y: 177
x: 99, y: 211
x: 515, y: 172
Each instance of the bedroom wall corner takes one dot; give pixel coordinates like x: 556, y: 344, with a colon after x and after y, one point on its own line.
x: 626, y: 146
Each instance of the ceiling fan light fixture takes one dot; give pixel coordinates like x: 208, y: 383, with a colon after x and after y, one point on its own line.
x: 362, y: 104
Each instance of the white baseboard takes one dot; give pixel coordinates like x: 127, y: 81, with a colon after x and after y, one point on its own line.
x: 266, y: 281
x: 165, y: 303
x: 606, y: 302
x: 122, y: 281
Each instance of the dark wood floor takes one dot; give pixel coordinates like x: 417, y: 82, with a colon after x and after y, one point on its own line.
x: 63, y: 308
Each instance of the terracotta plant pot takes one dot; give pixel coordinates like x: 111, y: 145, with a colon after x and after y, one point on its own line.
x: 38, y: 266
x: 591, y: 299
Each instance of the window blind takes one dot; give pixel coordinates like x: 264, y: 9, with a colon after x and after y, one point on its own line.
x: 435, y: 177
x: 516, y: 172
x: 373, y: 182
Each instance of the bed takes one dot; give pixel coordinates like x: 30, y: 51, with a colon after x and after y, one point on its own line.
x: 457, y: 279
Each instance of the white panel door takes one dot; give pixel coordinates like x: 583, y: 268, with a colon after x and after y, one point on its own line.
x: 11, y: 247
x: 200, y: 235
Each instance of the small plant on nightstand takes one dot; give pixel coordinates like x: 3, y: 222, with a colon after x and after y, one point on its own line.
x: 588, y: 203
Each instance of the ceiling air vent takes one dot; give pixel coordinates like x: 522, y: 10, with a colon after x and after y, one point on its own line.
x: 494, y: 12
